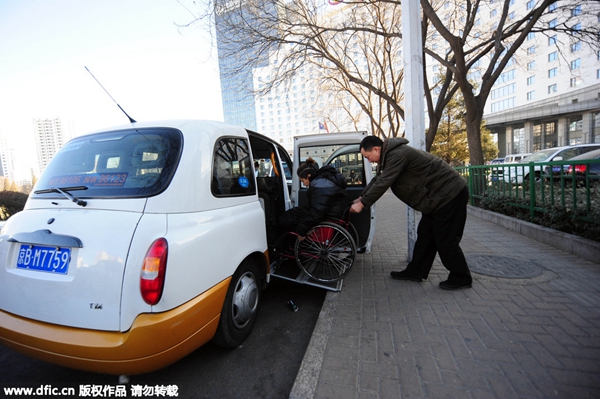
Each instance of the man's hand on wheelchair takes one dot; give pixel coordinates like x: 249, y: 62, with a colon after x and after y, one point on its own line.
x: 301, y: 238
x: 357, y: 206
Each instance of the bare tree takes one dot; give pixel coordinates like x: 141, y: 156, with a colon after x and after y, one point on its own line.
x: 455, y: 35
x: 364, y: 66
x: 486, y: 48
x: 355, y: 53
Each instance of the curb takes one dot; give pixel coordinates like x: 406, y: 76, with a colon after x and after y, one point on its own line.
x: 305, y: 384
x: 575, y: 245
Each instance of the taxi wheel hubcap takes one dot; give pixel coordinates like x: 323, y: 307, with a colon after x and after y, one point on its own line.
x: 245, y: 300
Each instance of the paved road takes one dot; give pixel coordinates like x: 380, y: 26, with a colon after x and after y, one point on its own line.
x: 265, y: 366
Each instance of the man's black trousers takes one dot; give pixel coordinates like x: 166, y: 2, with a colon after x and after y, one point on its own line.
x: 441, y: 232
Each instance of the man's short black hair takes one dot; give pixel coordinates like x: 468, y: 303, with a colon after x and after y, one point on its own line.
x: 369, y: 142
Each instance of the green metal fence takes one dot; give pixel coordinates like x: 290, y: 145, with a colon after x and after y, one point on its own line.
x: 573, y: 186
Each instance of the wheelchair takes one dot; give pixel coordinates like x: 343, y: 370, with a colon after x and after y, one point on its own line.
x: 326, y: 254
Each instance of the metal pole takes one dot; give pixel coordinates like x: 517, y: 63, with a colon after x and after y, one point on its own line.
x: 414, y: 91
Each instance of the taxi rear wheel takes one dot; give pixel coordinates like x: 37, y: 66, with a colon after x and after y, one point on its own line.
x: 240, y: 307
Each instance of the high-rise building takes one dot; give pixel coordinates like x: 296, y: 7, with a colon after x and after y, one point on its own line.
x: 234, y: 56
x: 49, y: 138
x: 7, y: 158
x: 302, y: 107
x: 288, y: 111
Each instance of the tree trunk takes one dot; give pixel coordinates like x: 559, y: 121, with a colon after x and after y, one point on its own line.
x: 478, y: 178
x: 473, y: 122
x: 434, y: 124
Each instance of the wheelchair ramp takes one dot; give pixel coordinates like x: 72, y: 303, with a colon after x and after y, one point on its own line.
x: 290, y: 271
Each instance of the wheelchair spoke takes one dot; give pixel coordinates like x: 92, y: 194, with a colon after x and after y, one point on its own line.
x: 327, y: 253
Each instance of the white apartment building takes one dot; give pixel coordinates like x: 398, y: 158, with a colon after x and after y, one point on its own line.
x: 300, y: 107
x: 7, y: 158
x: 286, y: 112
x: 49, y: 138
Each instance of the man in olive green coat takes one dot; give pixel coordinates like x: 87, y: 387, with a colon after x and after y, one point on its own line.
x: 428, y: 184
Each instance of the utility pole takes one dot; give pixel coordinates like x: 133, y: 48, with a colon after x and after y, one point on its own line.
x: 413, y: 93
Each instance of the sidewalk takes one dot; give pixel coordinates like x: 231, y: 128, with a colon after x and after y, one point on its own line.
x: 532, y: 333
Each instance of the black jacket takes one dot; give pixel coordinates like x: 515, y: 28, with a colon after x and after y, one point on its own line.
x: 421, y: 180
x: 327, y: 198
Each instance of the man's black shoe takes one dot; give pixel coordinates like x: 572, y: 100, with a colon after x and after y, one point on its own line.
x: 447, y: 285
x: 405, y: 276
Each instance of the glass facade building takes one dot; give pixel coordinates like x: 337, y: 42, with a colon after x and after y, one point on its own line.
x: 237, y: 60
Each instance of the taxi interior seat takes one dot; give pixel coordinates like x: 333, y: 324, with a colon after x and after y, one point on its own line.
x: 147, y: 161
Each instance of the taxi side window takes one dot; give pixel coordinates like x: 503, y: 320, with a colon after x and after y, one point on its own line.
x: 232, y: 173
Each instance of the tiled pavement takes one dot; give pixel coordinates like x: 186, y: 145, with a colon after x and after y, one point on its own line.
x: 535, y: 337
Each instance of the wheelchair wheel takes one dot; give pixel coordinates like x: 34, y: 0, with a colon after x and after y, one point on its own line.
x: 327, y: 253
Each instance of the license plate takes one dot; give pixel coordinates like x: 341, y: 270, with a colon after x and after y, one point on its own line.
x: 44, y: 259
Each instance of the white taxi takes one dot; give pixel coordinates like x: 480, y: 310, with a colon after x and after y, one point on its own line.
x: 139, y: 244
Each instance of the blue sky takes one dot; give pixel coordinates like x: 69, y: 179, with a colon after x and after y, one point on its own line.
x: 152, y: 68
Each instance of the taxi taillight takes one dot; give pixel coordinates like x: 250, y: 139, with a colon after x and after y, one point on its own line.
x: 152, y: 278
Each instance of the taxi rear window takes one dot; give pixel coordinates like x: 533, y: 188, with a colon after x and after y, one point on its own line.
x: 124, y: 163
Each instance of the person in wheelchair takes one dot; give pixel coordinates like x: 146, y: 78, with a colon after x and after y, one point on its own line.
x: 327, y: 198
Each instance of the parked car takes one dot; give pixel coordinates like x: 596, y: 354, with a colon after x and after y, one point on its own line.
x: 496, y: 173
x: 518, y: 174
x: 516, y: 158
x: 141, y: 243
x: 584, y: 171
x: 495, y: 161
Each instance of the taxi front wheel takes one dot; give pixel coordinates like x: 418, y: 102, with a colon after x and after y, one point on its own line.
x: 240, y: 307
